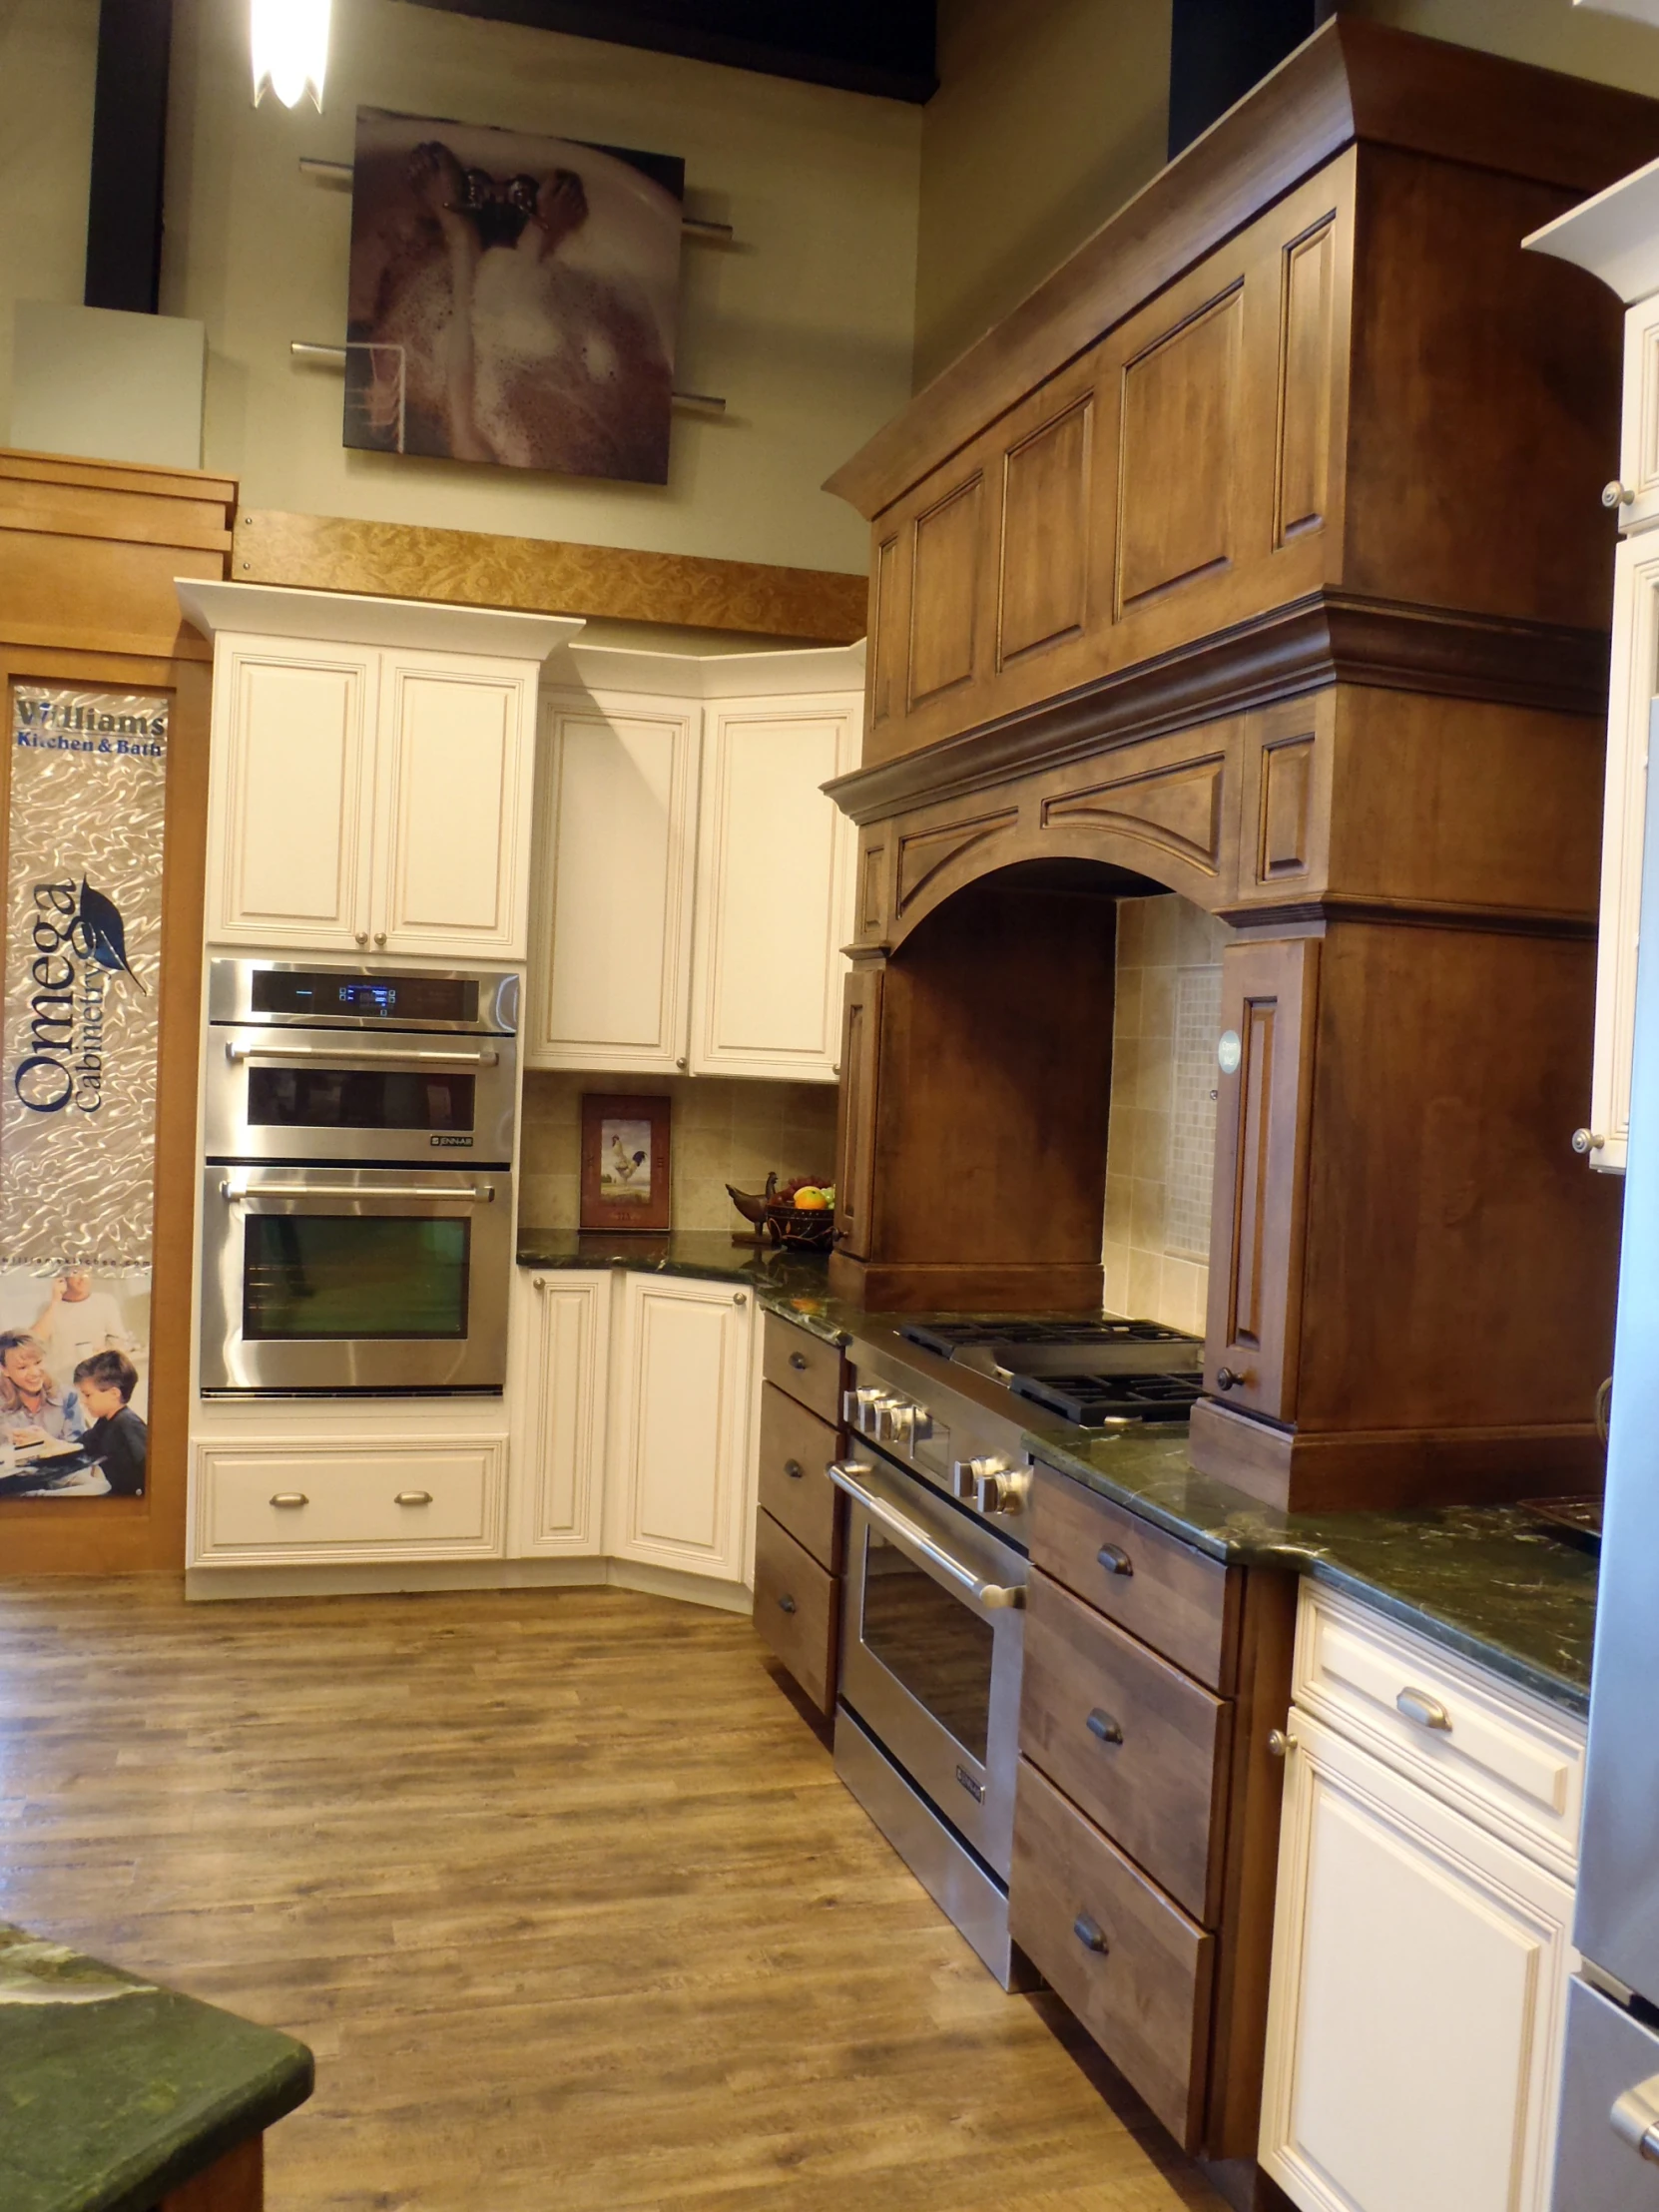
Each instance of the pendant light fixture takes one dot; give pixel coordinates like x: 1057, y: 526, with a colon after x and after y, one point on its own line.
x: 290, y: 50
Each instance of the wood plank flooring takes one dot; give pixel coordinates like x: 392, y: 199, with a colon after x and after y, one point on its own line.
x: 561, y: 1889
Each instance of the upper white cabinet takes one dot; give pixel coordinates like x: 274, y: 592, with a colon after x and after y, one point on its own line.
x: 372, y: 764
x: 1616, y: 237
x: 693, y: 880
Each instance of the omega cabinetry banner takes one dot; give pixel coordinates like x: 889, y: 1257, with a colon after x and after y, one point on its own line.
x: 78, y: 1035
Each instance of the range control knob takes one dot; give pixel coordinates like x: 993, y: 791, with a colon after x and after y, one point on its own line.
x: 895, y: 1420
x: 997, y: 1486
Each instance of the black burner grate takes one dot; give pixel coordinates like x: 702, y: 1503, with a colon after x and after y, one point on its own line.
x: 1088, y: 1401
x: 946, y: 1338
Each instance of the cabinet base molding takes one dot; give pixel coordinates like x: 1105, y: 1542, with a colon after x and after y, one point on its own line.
x: 209, y: 1584
x: 1244, y: 2185
x: 935, y: 1286
x: 1302, y: 1474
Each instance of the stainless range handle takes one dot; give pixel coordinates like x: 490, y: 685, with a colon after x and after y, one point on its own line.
x: 365, y: 1056
x: 994, y: 1596
x: 234, y: 1192
x: 1636, y: 2118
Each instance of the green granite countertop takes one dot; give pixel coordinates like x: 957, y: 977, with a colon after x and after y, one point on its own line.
x: 707, y: 1254
x: 114, y: 2092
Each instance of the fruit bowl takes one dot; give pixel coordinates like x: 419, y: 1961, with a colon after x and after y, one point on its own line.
x: 800, y: 1228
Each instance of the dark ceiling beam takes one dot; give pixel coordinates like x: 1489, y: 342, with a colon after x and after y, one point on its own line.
x: 129, y: 147
x: 878, y: 46
x: 1221, y: 49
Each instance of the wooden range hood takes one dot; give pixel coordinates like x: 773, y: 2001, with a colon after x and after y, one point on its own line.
x: 1259, y: 556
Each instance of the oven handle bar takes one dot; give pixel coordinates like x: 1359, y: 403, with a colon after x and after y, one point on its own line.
x: 234, y: 1192
x: 994, y: 1596
x: 362, y: 1056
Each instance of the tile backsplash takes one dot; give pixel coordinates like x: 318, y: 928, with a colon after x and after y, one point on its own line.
x: 1159, y: 1153
x: 723, y: 1131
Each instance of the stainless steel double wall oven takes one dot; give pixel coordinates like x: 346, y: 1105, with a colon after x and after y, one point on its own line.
x: 358, y: 1187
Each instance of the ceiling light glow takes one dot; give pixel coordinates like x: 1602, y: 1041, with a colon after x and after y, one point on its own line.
x: 290, y: 50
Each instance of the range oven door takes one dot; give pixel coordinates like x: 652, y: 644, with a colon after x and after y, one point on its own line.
x: 932, y: 1643
x: 295, y: 1094
x: 336, y: 1281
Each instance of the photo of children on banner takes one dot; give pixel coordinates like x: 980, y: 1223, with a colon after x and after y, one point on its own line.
x: 68, y: 1424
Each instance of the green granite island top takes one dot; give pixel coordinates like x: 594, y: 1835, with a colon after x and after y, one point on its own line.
x: 114, y: 2092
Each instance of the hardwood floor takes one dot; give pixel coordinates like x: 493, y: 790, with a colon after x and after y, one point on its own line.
x: 563, y: 1892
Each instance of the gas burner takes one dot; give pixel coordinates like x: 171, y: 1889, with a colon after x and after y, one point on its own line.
x: 1090, y: 1400
x: 950, y: 1339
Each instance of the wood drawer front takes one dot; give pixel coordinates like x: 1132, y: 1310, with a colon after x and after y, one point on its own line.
x: 796, y: 1610
x: 804, y: 1366
x: 256, y: 1505
x: 795, y: 1448
x: 1162, y: 1590
x: 1129, y: 1963
x: 1143, y: 1750
x: 1515, y: 1764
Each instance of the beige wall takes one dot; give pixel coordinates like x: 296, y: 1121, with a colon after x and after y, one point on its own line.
x: 1160, y: 1149
x: 723, y: 1132
x: 48, y: 49
x: 1049, y: 115
x: 805, y: 325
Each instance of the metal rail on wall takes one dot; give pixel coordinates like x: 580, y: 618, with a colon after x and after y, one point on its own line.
x: 693, y: 225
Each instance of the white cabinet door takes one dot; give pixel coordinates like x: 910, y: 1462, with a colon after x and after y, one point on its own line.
x: 679, y: 1473
x: 1639, y: 442
x: 293, y: 794
x: 774, y: 889
x: 561, y: 1364
x: 1419, y: 1996
x: 453, y: 799
x: 1630, y: 705
x: 611, y: 960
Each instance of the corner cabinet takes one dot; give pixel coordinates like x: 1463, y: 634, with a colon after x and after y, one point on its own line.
x: 693, y: 879
x: 371, y: 786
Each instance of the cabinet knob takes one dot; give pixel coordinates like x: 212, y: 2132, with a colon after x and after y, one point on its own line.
x: 1115, y: 1560
x: 1104, y: 1727
x: 538, y: 1282
x: 290, y: 1501
x: 739, y: 1297
x: 379, y: 936
x: 415, y: 1497
x: 795, y: 1471
x: 786, y: 1605
x: 1230, y: 1379
x: 1090, y: 1934
x: 1281, y: 1742
x: 680, y: 1063
x: 1586, y: 1141
x: 1616, y: 494
x: 362, y: 937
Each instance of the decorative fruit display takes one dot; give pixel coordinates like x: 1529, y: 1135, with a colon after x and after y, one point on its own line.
x: 796, y: 1213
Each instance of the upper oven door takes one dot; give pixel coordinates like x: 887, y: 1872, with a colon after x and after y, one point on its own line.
x: 355, y: 1278
x: 933, y: 1635
x: 294, y: 1094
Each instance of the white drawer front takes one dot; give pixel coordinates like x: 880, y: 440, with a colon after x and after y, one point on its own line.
x: 257, y: 1504
x: 1513, y: 1762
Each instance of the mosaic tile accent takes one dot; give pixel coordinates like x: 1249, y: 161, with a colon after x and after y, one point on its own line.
x: 1192, y: 1136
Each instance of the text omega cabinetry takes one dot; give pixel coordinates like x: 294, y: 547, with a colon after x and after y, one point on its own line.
x: 695, y: 880
x: 1422, y: 1953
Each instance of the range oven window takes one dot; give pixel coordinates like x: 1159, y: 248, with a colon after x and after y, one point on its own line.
x: 931, y: 1642
x: 360, y: 1098
x: 448, y: 998
x: 347, y: 1275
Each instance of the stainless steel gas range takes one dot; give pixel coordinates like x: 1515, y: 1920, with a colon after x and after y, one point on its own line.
x: 932, y: 1629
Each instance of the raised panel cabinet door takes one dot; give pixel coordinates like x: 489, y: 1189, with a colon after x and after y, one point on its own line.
x: 682, y: 1494
x: 1264, y: 1084
x: 452, y: 786
x: 856, y: 1110
x: 292, y: 807
x: 1417, y: 1999
x: 610, y: 965
x: 773, y: 897
x: 563, y: 1320
x: 1635, y: 678
x: 1638, y: 499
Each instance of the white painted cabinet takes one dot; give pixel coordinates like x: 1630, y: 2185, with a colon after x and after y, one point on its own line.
x: 561, y: 1370
x: 774, y: 889
x: 693, y: 881
x: 302, y: 1500
x: 678, y: 1487
x: 1421, y: 1958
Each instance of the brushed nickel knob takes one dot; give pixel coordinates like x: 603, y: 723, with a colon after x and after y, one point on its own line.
x: 680, y: 1063
x: 538, y: 1282
x: 739, y: 1297
x: 362, y: 937
x: 1616, y: 494
x: 1281, y: 1742
x: 379, y: 936
x: 1586, y: 1141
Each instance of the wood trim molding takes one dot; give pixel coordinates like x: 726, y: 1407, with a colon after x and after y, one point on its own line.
x: 1326, y: 638
x: 546, y: 576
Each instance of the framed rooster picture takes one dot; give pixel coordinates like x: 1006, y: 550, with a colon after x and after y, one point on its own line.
x: 625, y: 1163
x: 513, y: 298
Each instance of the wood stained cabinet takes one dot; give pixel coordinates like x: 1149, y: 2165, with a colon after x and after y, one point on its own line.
x: 801, y: 1522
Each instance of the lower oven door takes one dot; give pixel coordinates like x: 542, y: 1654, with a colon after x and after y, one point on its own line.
x: 345, y: 1280
x: 933, y: 1636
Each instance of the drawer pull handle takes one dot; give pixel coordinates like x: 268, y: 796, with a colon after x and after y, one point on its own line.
x: 1090, y: 1934
x: 786, y: 1605
x: 1114, y: 1561
x: 290, y: 1501
x: 795, y: 1471
x: 798, y: 1361
x: 415, y: 1497
x: 1102, y: 1726
x: 1424, y: 1712
x: 1635, y: 2118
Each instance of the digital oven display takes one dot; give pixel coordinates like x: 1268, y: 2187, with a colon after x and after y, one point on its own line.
x: 448, y: 998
